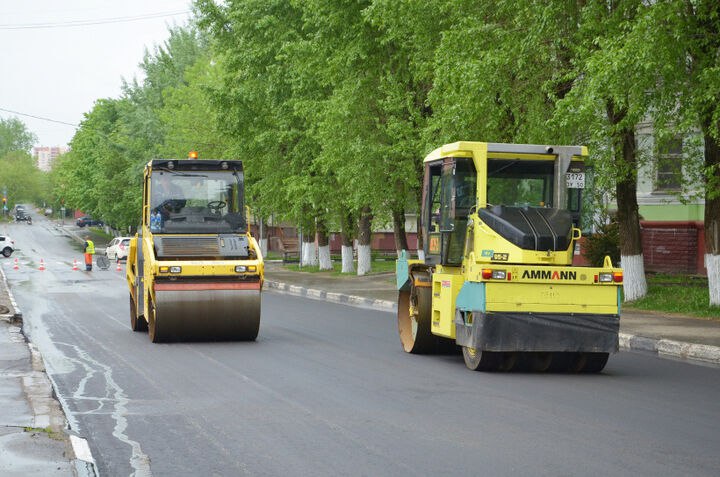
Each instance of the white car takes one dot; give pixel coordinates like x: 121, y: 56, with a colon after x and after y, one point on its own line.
x: 7, y: 245
x: 118, y: 248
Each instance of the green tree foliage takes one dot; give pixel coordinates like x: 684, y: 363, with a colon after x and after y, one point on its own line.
x: 14, y: 136
x: 22, y: 180
x: 101, y: 175
x: 256, y: 106
x: 189, y: 120
x: 605, y: 242
x: 327, y: 107
x: 19, y: 176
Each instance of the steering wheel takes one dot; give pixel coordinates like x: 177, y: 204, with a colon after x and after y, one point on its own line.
x: 216, y: 205
x: 171, y: 206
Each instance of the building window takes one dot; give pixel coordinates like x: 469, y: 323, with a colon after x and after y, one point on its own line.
x: 669, y: 164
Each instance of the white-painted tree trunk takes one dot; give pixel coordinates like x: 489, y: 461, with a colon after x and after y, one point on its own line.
x: 263, y: 246
x: 364, y: 260
x: 313, y: 258
x: 421, y: 255
x: 309, y: 254
x: 712, y: 263
x: 348, y: 266
x: 634, y: 283
x: 324, y: 258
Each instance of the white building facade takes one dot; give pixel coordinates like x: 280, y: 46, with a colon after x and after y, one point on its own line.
x: 45, y: 156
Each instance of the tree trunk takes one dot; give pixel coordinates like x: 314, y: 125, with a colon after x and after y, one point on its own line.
x: 420, y: 171
x: 346, y: 236
x: 309, y: 255
x: 309, y: 252
x: 712, y: 215
x: 420, y: 239
x: 263, y: 236
x: 399, y: 230
x: 631, y: 254
x: 323, y: 247
x: 364, y: 239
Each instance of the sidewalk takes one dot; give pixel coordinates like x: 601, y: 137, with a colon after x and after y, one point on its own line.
x: 669, y: 336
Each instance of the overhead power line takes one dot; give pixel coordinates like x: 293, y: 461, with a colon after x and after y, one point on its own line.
x: 99, y: 21
x: 39, y: 117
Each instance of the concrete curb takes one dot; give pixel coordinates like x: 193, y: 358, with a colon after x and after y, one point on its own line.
x: 341, y: 298
x: 662, y: 347
x: 17, y: 314
x: 671, y: 348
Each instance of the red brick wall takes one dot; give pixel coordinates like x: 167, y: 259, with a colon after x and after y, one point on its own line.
x: 673, y: 247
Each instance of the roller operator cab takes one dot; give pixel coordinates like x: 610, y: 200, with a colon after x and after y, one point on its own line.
x: 193, y: 270
x: 500, y: 223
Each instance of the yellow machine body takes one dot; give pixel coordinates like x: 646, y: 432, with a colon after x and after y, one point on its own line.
x: 194, y: 271
x: 500, y: 223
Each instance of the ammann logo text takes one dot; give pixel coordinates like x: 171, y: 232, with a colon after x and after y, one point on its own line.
x: 548, y: 275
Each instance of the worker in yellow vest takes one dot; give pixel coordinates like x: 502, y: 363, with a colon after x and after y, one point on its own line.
x: 89, y: 248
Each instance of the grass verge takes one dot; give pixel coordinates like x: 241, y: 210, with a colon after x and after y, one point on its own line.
x: 55, y: 435
x: 682, y: 294
x: 376, y: 266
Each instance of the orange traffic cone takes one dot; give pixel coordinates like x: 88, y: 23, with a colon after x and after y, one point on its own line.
x: 42, y: 265
x: 75, y: 267
x: 118, y: 268
x: 16, y: 266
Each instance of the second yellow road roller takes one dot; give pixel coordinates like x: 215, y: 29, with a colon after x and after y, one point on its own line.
x: 194, y: 270
x: 500, y: 224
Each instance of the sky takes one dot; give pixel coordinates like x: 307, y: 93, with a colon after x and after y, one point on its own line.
x: 58, y: 57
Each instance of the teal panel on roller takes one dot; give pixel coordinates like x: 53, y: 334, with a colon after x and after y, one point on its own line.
x: 402, y: 274
x: 471, y: 297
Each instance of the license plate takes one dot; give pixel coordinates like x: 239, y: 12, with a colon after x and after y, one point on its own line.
x: 575, y: 180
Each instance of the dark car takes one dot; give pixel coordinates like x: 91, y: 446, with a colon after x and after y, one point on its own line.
x: 89, y: 221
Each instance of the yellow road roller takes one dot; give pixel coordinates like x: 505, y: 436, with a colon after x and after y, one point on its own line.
x: 193, y: 269
x: 500, y: 224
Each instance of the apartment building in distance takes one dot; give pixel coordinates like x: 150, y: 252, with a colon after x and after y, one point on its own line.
x: 45, y: 156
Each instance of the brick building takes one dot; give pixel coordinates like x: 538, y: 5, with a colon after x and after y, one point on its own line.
x: 670, y: 203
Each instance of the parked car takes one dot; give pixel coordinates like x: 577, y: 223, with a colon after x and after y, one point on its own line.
x: 89, y: 221
x: 118, y: 248
x: 7, y: 245
x: 48, y: 211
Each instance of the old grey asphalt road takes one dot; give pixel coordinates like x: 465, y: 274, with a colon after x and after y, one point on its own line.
x: 327, y: 390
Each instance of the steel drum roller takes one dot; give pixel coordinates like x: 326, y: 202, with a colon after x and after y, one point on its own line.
x: 192, y: 312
